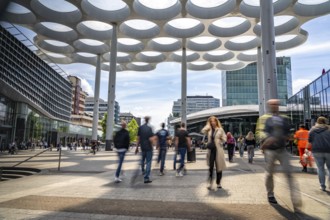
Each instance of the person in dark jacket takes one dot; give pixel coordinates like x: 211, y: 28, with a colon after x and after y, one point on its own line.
x: 250, y: 143
x: 146, y: 140
x: 319, y: 137
x: 121, y: 142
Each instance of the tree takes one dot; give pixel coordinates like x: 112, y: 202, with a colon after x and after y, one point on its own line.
x: 132, y: 128
x: 104, y: 125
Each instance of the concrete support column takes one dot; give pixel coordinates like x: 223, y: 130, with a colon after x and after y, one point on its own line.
x: 184, y: 86
x: 268, y: 49
x: 111, y: 88
x: 96, y: 98
x: 261, y: 89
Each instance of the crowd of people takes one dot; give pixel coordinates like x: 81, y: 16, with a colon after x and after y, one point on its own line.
x: 272, y: 134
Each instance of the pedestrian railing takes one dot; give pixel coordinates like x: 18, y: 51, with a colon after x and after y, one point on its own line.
x: 31, y: 157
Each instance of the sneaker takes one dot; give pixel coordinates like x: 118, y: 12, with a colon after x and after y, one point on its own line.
x: 322, y: 188
x: 212, y: 188
x: 117, y: 180
x: 147, y: 181
x: 272, y: 200
x: 179, y: 174
x: 219, y: 186
x: 161, y: 174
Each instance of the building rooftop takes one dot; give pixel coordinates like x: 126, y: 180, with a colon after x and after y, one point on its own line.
x: 225, y: 112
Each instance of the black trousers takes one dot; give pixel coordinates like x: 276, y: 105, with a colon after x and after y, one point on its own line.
x: 230, y: 148
x: 213, y: 156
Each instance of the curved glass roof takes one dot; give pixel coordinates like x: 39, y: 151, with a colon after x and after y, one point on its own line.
x: 218, y: 34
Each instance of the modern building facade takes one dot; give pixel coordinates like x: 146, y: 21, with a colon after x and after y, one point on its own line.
x: 78, y: 96
x: 240, y: 87
x: 78, y: 114
x: 35, y: 100
x: 311, y: 102
x: 195, y: 104
x: 127, y: 116
x: 103, y: 108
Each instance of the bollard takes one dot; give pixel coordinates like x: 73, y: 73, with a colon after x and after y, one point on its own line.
x: 59, y: 159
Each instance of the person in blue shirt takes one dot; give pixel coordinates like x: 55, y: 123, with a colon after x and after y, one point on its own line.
x: 162, y: 136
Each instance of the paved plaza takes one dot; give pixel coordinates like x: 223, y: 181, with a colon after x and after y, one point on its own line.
x: 84, y: 188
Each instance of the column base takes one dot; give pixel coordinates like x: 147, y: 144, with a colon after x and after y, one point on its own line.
x: 108, y: 145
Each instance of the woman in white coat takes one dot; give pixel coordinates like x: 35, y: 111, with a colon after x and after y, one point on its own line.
x: 215, y: 133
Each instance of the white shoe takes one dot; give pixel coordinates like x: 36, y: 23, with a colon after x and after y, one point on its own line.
x: 117, y: 180
x: 179, y: 174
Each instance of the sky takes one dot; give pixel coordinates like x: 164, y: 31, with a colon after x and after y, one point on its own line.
x: 152, y: 93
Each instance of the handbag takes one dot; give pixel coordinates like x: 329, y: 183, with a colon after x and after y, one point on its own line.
x: 210, y: 145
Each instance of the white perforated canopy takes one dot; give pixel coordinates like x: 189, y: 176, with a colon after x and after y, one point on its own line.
x: 221, y: 34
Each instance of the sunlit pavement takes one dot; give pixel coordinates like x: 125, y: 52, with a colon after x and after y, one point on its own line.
x: 84, y: 188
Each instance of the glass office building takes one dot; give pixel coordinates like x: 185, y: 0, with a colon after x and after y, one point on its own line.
x: 35, y: 100
x: 311, y: 102
x: 103, y: 108
x: 240, y: 87
x: 195, y: 104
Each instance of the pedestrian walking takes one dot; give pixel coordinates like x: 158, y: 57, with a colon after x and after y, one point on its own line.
x: 250, y: 143
x: 93, y: 148
x: 319, y: 137
x: 273, y: 131
x: 182, y: 144
x: 162, y: 136
x: 121, y: 142
x: 230, y: 146
x: 145, y: 140
x: 241, y: 145
x: 215, y: 155
x: 301, y: 138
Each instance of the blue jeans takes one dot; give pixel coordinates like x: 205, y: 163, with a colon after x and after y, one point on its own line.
x: 174, y: 160
x: 161, y: 158
x: 182, y: 152
x: 322, y: 159
x: 250, y: 149
x: 121, y: 156
x: 146, y: 156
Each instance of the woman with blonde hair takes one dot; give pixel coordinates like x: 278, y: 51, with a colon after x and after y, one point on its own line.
x: 250, y: 142
x: 215, y: 155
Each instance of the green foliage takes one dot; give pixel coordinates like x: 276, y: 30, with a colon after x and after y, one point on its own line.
x: 104, y: 125
x: 132, y: 128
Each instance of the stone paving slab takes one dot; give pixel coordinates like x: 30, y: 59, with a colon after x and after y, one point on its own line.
x: 88, y: 177
x: 142, y: 208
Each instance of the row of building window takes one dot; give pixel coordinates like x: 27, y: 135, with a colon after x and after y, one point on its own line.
x: 28, y: 74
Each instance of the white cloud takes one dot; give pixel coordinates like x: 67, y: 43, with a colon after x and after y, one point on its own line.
x: 299, y: 84
x: 307, y: 48
x: 87, y: 87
